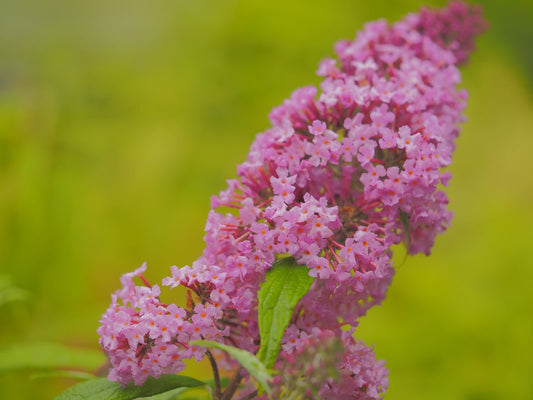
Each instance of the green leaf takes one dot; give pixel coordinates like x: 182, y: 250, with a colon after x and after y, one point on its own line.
x: 103, y: 389
x: 224, y: 380
x: 83, y: 376
x: 175, y: 394
x: 47, y: 356
x: 250, y: 362
x: 285, y: 284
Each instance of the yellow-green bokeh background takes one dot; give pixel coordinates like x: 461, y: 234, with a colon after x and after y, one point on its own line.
x: 119, y: 120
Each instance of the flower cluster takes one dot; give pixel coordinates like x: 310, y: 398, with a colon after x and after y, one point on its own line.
x: 344, y: 173
x: 331, y: 364
x: 146, y: 338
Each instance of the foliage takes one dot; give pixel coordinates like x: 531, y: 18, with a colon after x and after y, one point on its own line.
x: 103, y: 389
x: 285, y: 284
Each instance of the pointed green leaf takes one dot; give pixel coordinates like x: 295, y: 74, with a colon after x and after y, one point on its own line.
x: 196, y: 393
x: 250, y: 362
x: 224, y: 380
x: 285, y: 284
x: 174, y: 394
x: 48, y: 355
x: 80, y: 375
x: 103, y: 389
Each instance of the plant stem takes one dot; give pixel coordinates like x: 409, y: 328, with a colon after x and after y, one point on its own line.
x: 216, y: 376
x: 250, y: 396
x: 233, y: 385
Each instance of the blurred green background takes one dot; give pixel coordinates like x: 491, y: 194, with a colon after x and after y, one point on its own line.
x: 119, y: 120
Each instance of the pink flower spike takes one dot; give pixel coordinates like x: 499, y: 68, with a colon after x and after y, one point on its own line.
x: 346, y: 172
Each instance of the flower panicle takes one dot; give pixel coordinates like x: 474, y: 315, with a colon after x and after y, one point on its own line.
x: 346, y: 171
